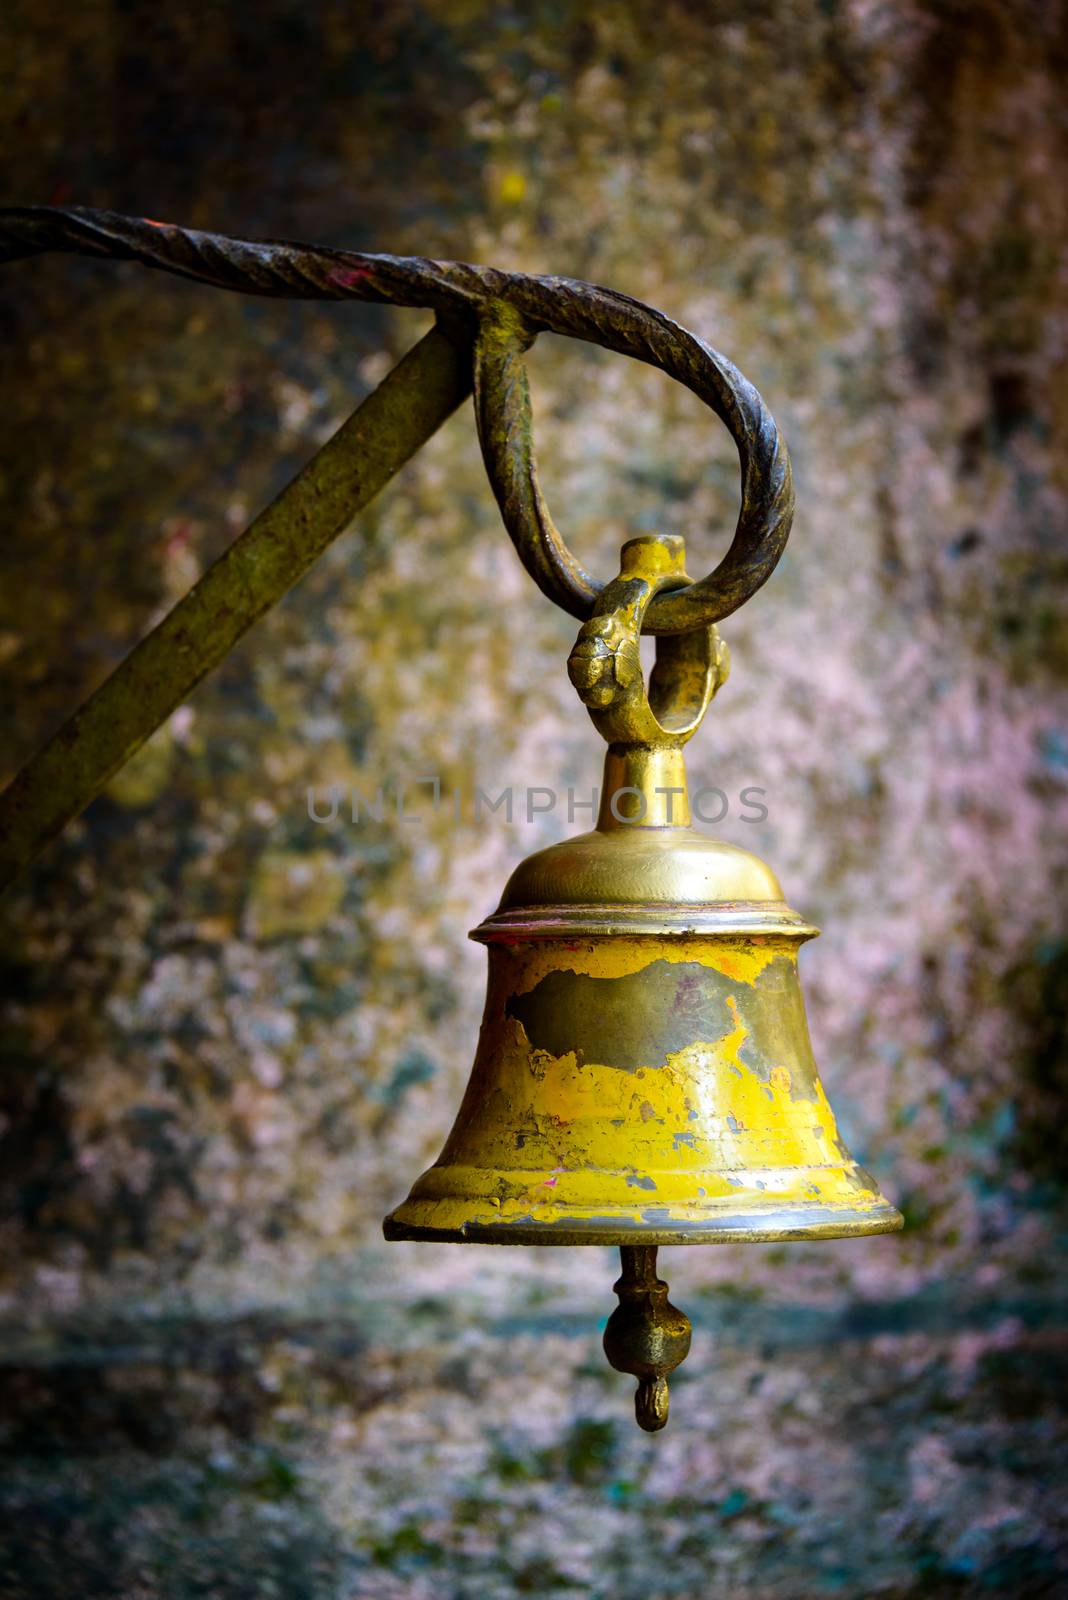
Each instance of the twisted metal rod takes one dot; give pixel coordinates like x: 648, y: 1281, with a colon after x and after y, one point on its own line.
x: 509, y: 309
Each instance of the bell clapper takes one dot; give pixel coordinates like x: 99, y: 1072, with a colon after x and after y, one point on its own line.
x: 646, y: 1335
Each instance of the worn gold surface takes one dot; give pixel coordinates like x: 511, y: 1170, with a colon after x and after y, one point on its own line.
x: 643, y: 1088
x: 651, y: 879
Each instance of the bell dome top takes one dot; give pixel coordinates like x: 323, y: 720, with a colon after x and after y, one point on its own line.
x: 632, y: 879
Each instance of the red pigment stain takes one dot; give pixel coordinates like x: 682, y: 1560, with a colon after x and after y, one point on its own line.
x: 154, y: 224
x: 179, y: 537
x: 550, y: 1183
x: 347, y: 276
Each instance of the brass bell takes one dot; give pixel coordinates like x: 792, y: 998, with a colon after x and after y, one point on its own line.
x: 644, y: 1074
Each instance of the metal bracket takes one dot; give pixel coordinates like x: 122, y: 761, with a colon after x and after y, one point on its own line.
x: 487, y: 319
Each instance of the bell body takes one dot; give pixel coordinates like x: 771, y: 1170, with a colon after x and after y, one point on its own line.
x: 644, y: 1074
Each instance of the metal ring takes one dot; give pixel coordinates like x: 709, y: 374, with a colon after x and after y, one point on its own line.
x: 505, y: 426
x: 605, y: 664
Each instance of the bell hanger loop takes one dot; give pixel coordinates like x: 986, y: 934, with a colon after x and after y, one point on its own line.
x: 645, y: 728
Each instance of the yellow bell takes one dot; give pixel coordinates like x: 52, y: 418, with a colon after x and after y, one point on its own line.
x: 644, y: 1074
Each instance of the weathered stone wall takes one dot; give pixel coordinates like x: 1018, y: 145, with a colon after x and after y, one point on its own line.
x: 234, y: 1035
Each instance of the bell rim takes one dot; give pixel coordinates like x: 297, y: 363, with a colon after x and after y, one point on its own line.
x: 796, y: 1223
x: 723, y: 919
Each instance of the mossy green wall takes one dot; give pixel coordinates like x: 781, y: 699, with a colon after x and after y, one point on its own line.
x: 234, y: 1034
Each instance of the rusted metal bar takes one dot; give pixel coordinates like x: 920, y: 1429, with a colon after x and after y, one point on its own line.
x: 273, y: 553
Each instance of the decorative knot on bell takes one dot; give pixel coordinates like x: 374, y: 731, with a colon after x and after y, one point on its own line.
x: 604, y: 661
